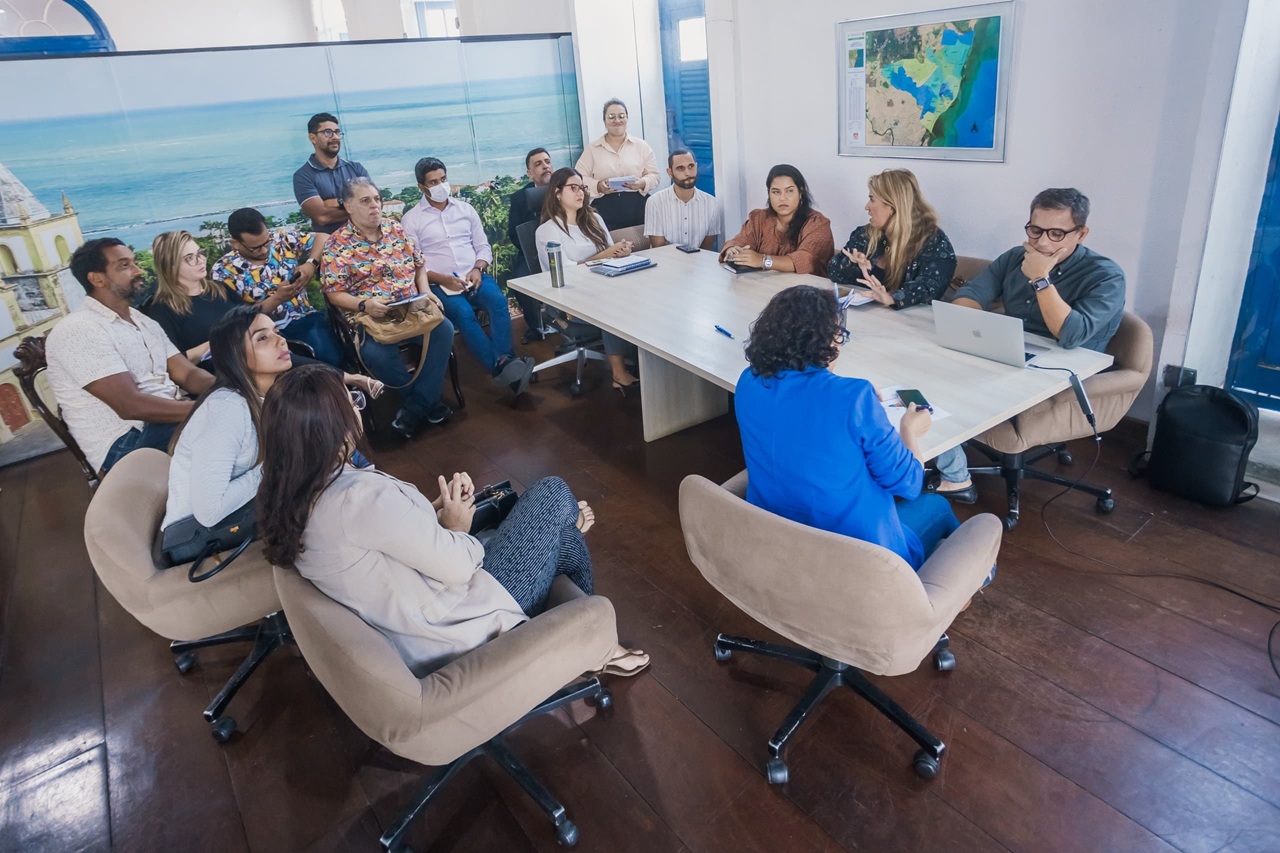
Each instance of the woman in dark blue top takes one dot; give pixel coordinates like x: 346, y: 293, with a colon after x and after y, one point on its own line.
x: 819, y: 447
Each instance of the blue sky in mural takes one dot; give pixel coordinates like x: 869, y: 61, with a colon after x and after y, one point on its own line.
x: 148, y: 143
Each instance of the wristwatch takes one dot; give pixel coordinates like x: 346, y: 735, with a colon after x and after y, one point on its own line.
x: 1041, y: 283
x: 360, y: 306
x: 768, y: 262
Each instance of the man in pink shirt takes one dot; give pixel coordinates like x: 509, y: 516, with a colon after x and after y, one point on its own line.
x: 449, y: 234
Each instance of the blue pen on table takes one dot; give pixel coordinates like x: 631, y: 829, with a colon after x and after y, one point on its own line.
x: 722, y: 330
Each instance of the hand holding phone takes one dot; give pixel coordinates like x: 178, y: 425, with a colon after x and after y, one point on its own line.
x: 911, y: 395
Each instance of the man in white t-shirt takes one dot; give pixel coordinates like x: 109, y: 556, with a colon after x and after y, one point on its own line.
x: 117, y: 377
x: 682, y: 214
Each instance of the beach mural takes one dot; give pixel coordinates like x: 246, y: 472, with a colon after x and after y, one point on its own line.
x: 134, y: 145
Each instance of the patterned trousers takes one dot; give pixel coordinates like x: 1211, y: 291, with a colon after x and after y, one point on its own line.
x: 537, y: 541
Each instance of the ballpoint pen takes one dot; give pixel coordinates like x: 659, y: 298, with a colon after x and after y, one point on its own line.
x: 722, y: 330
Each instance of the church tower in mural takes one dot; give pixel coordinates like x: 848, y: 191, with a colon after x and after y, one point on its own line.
x: 36, y: 285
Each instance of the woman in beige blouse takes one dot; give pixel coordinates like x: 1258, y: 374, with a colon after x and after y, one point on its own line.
x: 618, y: 154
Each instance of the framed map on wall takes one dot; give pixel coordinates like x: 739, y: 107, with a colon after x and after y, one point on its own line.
x: 928, y: 84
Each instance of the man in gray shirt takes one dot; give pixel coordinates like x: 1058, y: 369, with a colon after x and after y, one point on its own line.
x: 1057, y: 286
x: 318, y: 183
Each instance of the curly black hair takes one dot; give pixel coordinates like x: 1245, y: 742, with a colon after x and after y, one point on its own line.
x: 797, y: 329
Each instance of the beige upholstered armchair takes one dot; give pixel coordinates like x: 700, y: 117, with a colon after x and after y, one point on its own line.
x: 1052, y: 423
x: 465, y: 708
x: 854, y: 607
x: 239, y: 604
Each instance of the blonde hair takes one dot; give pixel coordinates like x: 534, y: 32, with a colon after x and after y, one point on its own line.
x: 913, y: 222
x: 166, y: 252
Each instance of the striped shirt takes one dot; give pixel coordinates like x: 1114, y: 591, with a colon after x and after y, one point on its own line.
x: 680, y: 222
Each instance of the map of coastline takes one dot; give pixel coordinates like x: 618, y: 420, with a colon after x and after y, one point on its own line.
x: 933, y: 85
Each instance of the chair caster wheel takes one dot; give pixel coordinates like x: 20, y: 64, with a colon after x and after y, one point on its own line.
x: 184, y: 662
x: 775, y: 770
x: 926, y: 766
x: 1009, y: 522
x: 1065, y: 457
x: 603, y: 700
x: 575, y: 390
x: 944, y: 661
x: 722, y: 654
x: 1105, y: 505
x: 567, y: 834
x: 222, y: 729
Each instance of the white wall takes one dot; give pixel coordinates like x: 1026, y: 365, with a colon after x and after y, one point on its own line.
x: 514, y: 17
x: 1124, y: 101
x: 156, y: 25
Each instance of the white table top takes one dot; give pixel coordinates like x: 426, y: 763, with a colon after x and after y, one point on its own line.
x: 673, y: 308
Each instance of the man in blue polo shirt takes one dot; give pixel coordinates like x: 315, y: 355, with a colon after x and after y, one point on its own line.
x: 1057, y: 286
x: 318, y: 183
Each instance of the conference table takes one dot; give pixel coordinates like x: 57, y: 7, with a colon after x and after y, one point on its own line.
x: 670, y: 312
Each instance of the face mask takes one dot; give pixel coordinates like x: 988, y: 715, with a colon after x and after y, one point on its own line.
x: 439, y: 193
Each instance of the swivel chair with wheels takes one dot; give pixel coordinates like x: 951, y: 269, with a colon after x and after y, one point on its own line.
x: 467, y: 707
x: 581, y: 341
x: 1043, y: 430
x: 853, y: 607
x: 239, y: 604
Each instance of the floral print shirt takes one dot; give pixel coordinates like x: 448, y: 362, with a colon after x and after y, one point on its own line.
x: 925, y: 279
x: 350, y: 264
x: 253, y: 282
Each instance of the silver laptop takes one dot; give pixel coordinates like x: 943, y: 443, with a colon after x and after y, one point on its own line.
x: 984, y: 334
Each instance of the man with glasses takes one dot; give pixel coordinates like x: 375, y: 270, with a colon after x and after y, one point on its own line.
x: 1057, y: 286
x: 318, y: 184
x: 272, y: 269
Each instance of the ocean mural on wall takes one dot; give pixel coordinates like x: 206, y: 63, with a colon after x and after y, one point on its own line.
x: 133, y: 145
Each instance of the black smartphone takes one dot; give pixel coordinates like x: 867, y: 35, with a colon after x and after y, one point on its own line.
x: 911, y: 395
x: 689, y: 250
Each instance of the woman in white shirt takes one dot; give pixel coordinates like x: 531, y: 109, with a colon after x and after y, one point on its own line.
x: 617, y: 154
x: 582, y: 235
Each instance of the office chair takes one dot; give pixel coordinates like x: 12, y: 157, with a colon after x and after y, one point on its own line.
x: 582, y: 341
x: 1049, y: 425
x: 853, y: 607
x: 32, y: 363
x: 467, y: 707
x: 239, y: 604
x: 346, y: 335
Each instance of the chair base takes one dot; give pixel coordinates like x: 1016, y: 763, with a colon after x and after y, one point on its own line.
x: 497, y: 749
x: 1013, y: 467
x: 574, y: 350
x: 830, y: 675
x: 268, y: 635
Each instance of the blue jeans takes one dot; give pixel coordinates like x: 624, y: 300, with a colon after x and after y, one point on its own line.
x: 386, y: 365
x: 151, y: 435
x: 930, y: 517
x: 460, y: 309
x: 314, y: 331
x: 953, y: 465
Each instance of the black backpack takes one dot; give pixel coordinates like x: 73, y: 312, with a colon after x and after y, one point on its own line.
x: 1202, y: 443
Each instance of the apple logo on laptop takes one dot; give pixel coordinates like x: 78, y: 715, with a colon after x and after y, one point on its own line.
x: 977, y: 333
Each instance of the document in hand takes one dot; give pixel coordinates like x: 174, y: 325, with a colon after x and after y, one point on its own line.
x: 851, y: 297
x: 895, y: 408
x: 409, y: 301
x: 621, y: 183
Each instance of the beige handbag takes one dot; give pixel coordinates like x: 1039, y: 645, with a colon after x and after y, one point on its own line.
x: 401, y: 324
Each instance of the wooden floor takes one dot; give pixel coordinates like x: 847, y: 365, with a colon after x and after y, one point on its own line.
x: 1088, y: 711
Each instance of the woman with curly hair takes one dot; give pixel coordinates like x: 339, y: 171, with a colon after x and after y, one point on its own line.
x: 900, y: 254
x: 819, y: 448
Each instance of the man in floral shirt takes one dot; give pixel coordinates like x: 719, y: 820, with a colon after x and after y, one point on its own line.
x: 368, y: 263
x: 273, y: 269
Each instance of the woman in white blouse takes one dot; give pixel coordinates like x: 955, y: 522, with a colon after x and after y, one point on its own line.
x: 582, y: 235
x: 617, y: 154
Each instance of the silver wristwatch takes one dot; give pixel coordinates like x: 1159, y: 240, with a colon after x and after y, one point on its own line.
x: 768, y: 262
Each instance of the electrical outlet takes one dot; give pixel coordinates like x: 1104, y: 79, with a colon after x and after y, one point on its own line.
x: 1175, y: 376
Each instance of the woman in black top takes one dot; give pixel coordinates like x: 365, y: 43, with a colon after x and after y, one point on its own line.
x: 901, y: 254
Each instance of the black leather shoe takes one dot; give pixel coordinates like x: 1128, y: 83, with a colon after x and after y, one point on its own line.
x: 403, y: 425
x: 961, y: 496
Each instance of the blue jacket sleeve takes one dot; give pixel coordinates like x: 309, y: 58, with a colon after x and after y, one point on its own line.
x: 891, y: 464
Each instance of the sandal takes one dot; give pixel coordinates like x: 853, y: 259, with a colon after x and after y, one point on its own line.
x: 615, y: 667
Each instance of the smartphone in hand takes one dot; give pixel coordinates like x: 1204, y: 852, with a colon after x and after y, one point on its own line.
x: 911, y: 395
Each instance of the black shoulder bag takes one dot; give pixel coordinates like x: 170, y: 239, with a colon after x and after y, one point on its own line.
x: 189, y: 541
x: 493, y: 504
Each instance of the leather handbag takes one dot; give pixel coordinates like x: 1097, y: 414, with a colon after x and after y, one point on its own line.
x: 402, y: 322
x: 189, y: 541
x: 493, y: 504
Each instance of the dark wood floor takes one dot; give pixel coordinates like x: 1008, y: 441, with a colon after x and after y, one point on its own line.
x: 1088, y: 711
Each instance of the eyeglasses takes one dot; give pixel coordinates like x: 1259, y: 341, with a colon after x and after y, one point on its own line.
x: 1057, y: 235
x: 329, y: 133
x: 619, y: 117
x: 357, y: 399
x: 194, y: 258
x: 577, y: 188
x: 842, y: 336
x: 253, y: 250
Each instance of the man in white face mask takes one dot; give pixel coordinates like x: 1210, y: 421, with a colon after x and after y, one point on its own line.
x: 449, y: 234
